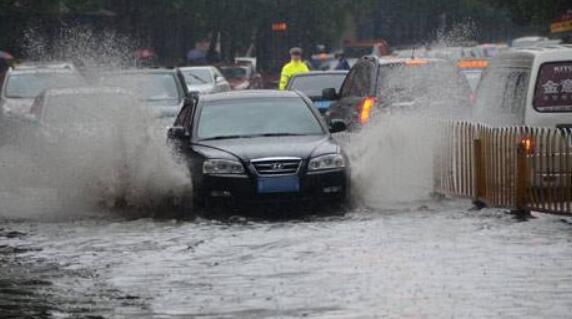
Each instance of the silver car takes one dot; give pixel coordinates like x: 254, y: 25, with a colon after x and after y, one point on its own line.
x: 21, y: 86
x: 204, y: 79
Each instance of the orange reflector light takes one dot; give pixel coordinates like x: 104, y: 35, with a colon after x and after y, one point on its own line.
x: 366, y: 105
x: 528, y: 144
x: 416, y: 61
x: 473, y: 64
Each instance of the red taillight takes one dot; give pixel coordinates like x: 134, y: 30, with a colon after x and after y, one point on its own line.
x: 364, y: 108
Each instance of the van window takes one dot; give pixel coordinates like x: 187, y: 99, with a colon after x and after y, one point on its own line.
x: 553, y: 91
x: 501, y: 98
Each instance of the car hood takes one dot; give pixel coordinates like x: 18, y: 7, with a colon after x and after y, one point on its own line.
x: 21, y: 106
x: 260, y: 147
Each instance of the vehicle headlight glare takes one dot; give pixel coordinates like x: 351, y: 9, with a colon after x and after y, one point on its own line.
x: 222, y: 166
x: 331, y: 161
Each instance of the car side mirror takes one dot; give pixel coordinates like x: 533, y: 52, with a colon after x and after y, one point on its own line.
x: 337, y: 126
x: 177, y: 132
x: 191, y: 97
x: 329, y: 94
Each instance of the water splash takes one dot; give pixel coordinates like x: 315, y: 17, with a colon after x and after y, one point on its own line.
x: 118, y: 157
x: 392, y: 157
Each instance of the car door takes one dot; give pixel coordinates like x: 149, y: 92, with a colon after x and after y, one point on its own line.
x: 357, y: 86
x: 184, y: 118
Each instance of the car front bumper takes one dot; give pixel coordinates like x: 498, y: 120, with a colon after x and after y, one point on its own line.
x: 327, y: 186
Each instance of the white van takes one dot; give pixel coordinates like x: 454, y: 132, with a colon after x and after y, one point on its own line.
x: 531, y: 86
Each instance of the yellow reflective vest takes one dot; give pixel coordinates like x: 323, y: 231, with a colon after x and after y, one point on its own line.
x: 291, y: 68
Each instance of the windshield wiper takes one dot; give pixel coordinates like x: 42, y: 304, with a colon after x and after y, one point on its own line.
x: 226, y: 137
x: 196, y: 77
x: 280, y: 134
x: 18, y: 97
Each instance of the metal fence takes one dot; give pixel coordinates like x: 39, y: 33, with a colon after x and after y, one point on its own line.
x: 520, y: 168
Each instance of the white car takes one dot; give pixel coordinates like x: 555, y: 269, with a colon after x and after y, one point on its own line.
x: 533, y: 87
x: 530, y: 86
x: 204, y: 79
x: 21, y: 86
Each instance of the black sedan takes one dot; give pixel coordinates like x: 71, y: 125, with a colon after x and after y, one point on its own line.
x: 265, y: 147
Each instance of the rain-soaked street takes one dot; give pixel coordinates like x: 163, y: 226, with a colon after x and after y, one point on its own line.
x: 285, y: 159
x: 428, y: 260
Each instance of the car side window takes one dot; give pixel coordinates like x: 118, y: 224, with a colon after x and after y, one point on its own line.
x: 348, y: 83
x: 361, y: 82
x: 518, y: 101
x: 502, y: 97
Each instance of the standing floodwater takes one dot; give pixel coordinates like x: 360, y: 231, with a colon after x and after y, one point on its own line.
x: 438, y: 261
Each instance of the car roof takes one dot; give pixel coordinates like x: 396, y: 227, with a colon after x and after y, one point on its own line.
x: 202, y: 67
x: 87, y: 90
x: 248, y: 94
x: 45, y: 65
x: 42, y: 70
x: 400, y: 60
x: 140, y: 71
x: 525, y: 56
x: 543, y: 49
x: 317, y: 73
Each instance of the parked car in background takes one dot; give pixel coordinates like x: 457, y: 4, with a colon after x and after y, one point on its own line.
x: 246, y: 60
x: 241, y: 76
x: 264, y: 147
x: 376, y: 85
x: 204, y: 79
x: 20, y: 86
x: 161, y: 89
x: 313, y: 83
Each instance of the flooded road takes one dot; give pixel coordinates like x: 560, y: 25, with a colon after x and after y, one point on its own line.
x: 435, y: 260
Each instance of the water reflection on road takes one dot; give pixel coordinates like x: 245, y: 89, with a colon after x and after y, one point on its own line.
x: 435, y: 262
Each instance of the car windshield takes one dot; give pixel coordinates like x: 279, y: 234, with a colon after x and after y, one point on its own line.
x: 256, y: 117
x: 197, y: 76
x: 313, y: 85
x: 423, y: 83
x: 68, y: 109
x: 29, y: 85
x: 150, y: 87
x: 234, y: 72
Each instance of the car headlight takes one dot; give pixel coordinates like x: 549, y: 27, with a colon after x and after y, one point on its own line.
x: 324, y: 162
x: 222, y: 166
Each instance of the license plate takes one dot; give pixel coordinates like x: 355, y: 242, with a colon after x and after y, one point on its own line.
x: 322, y: 104
x: 286, y: 184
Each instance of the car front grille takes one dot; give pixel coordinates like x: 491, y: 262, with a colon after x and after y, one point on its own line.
x: 277, y: 166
